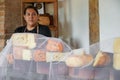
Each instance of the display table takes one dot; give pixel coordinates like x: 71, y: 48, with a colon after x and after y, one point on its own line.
x: 88, y: 73
x: 36, y: 57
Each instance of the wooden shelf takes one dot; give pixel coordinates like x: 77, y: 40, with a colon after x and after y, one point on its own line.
x: 39, y: 1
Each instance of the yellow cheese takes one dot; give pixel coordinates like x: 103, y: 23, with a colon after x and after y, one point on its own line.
x: 31, y: 41
x: 19, y: 39
x: 78, y: 60
x: 26, y: 54
x: 116, y: 45
x: 55, y: 56
x: 116, y: 61
x: 101, y: 59
x: 24, y: 39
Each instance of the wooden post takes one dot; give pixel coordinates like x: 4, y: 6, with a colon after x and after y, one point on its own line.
x: 93, y: 21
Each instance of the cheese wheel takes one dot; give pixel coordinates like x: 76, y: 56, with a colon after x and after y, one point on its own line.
x: 54, y: 45
x: 39, y: 55
x: 78, y: 60
x: 73, y: 61
x: 101, y: 59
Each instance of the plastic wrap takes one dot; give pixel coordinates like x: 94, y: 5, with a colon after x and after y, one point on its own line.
x: 30, y: 56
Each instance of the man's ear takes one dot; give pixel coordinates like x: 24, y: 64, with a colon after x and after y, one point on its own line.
x: 38, y: 16
x: 24, y: 17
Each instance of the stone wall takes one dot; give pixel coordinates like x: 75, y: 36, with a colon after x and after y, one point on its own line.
x: 10, y: 18
x: 2, y: 24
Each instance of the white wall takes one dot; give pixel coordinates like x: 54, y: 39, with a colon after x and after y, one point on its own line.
x: 74, y: 22
x: 109, y: 19
x: 109, y: 23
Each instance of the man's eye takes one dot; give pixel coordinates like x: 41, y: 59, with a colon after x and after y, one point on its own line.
x: 28, y: 14
x: 34, y: 14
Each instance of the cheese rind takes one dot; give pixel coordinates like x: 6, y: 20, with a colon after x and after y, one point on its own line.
x: 101, y: 59
x: 39, y: 55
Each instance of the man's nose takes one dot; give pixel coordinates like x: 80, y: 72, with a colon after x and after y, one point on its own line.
x: 31, y: 15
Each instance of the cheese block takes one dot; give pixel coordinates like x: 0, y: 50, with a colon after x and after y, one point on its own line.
x: 55, y: 56
x: 22, y: 53
x: 101, y: 59
x: 39, y: 55
x: 10, y: 58
x: 74, y: 61
x: 31, y: 41
x: 24, y: 39
x: 116, y: 45
x: 19, y: 39
x: 78, y: 60
x: 26, y: 54
x: 116, y: 61
x: 54, y: 45
x: 17, y: 51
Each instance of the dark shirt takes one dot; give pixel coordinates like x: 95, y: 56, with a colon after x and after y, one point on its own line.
x: 42, y: 29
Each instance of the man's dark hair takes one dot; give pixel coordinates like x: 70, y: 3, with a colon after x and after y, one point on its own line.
x: 30, y: 7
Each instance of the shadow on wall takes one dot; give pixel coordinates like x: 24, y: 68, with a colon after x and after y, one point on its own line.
x: 65, y: 23
x: 74, y: 43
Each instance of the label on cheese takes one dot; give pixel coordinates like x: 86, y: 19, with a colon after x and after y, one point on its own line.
x: 19, y: 39
x: 55, y: 56
x: 27, y: 40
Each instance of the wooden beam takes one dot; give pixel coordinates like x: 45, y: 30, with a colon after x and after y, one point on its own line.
x: 39, y: 0
x: 93, y: 21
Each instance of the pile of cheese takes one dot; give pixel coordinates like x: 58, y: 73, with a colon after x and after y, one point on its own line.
x: 28, y: 46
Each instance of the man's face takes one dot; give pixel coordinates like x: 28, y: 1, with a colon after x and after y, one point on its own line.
x: 31, y: 17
